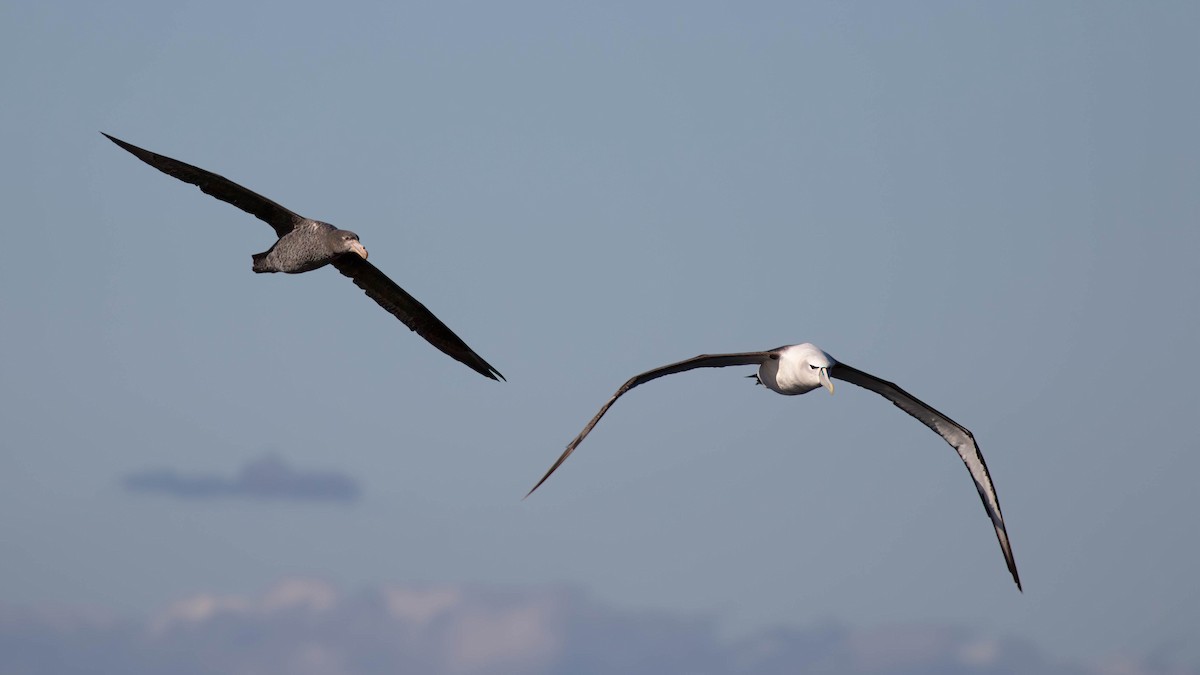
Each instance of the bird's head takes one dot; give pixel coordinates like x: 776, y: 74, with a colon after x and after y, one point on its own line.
x: 347, y: 242
x: 815, y: 363
x: 796, y: 369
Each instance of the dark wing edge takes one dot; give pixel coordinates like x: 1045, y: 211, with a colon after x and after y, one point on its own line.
x: 412, y: 313
x: 702, y: 361
x: 278, y: 217
x: 961, y: 439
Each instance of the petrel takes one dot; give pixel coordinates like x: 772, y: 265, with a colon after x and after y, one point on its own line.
x: 305, y: 244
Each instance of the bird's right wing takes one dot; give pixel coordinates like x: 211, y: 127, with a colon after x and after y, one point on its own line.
x: 702, y: 361
x: 405, y: 307
x: 278, y: 217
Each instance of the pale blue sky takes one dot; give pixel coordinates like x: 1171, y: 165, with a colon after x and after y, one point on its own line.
x: 992, y: 204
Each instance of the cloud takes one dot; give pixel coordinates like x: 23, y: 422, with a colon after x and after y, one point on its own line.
x: 309, y: 627
x: 268, y: 477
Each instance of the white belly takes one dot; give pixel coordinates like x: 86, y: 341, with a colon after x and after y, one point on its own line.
x: 785, y: 377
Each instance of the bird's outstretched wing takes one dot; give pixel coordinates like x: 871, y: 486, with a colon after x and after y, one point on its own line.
x: 702, y: 361
x: 405, y: 307
x: 278, y: 217
x: 954, y: 433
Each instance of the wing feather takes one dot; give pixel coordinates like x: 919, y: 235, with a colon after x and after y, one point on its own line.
x: 278, y: 217
x: 416, y: 316
x: 962, y: 440
x: 702, y: 361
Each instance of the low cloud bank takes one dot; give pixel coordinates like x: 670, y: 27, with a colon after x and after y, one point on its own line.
x: 308, y: 627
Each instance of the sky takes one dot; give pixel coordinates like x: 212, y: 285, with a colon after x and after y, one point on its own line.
x: 990, y: 204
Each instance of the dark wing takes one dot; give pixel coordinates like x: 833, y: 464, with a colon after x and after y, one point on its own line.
x: 405, y: 307
x: 955, y: 434
x: 278, y: 217
x: 702, y: 361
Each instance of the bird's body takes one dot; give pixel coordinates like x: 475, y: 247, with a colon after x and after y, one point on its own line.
x: 797, y: 369
x: 791, y: 373
x: 309, y: 246
x: 305, y: 244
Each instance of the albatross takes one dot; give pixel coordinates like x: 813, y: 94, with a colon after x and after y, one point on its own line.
x: 305, y: 244
x: 798, y: 369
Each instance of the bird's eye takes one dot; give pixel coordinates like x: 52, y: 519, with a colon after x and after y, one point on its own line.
x: 812, y: 366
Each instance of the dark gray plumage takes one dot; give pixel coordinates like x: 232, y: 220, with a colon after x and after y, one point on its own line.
x: 306, y: 244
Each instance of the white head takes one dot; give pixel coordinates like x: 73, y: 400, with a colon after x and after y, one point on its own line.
x: 797, y: 369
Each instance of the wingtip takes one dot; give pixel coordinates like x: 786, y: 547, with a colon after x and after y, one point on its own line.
x: 539, y: 483
x: 477, y: 364
x: 128, y: 147
x: 1012, y: 566
x: 531, y: 491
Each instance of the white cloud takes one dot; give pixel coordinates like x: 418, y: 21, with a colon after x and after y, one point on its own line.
x: 419, y: 606
x: 310, y: 594
x: 196, y: 609
x: 980, y: 652
x: 525, y: 636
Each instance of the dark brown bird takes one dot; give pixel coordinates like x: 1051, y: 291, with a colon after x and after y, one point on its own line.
x: 305, y: 244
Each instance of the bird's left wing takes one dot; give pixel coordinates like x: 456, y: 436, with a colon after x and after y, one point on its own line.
x: 405, y: 307
x: 954, y: 433
x: 702, y: 361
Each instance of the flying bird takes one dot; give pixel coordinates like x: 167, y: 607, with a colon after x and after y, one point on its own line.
x: 305, y: 244
x: 798, y: 369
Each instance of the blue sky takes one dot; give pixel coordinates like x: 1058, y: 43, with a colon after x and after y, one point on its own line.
x: 992, y: 205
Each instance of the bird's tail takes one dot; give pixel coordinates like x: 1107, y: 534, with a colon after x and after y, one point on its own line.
x: 260, y: 262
